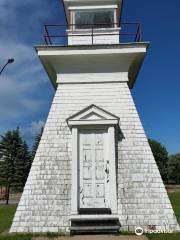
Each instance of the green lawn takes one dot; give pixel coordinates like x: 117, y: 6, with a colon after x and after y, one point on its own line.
x: 6, y: 216
x: 173, y: 236
x: 7, y: 213
x: 16, y: 237
x: 175, y: 200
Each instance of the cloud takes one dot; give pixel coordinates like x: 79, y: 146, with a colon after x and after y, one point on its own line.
x: 25, y: 90
x: 31, y: 132
x: 27, y: 17
x: 20, y: 83
x: 24, y: 55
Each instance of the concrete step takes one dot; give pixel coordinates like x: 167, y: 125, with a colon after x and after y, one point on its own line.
x: 95, y: 229
x: 93, y: 225
x: 94, y: 219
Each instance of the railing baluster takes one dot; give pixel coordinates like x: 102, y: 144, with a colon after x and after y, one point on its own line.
x: 137, y: 34
x: 45, y: 38
x: 140, y: 32
x: 48, y: 37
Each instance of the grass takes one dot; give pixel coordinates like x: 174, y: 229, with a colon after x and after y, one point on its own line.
x: 169, y: 236
x: 6, y: 216
x: 7, y: 213
x: 175, y: 200
x: 16, y: 237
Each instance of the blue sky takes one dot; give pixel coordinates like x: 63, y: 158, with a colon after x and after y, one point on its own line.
x: 26, y: 93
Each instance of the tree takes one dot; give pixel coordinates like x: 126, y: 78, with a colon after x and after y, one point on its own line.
x: 161, y: 157
x: 21, y: 170
x: 28, y: 160
x: 174, y: 169
x: 36, y: 143
x: 8, y: 150
x: 13, y: 165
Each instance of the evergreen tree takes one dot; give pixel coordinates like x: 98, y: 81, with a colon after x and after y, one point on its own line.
x: 13, y: 165
x: 36, y: 143
x: 174, y: 169
x: 161, y: 156
x: 21, y: 167
x: 8, y: 150
x: 27, y: 159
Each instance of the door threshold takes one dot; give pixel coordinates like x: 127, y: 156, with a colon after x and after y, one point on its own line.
x: 94, y: 216
x: 91, y: 211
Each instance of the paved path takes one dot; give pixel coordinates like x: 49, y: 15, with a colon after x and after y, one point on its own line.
x: 97, y: 237
x: 13, y: 199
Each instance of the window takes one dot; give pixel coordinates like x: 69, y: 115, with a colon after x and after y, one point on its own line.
x: 94, y: 18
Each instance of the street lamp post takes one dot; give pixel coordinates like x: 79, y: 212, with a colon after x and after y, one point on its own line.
x: 9, y: 61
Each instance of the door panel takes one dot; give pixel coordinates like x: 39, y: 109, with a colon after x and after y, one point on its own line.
x: 87, y: 173
x: 100, y: 172
x: 87, y: 190
x: 94, y: 187
x: 100, y: 190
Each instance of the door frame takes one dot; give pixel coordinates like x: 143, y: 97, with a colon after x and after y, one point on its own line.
x: 90, y: 118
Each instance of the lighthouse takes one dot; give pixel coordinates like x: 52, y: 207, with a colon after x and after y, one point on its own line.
x: 93, y: 170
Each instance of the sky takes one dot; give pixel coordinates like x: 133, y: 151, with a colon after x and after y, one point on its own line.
x: 26, y: 93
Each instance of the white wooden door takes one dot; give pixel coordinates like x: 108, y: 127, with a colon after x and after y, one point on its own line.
x: 94, y: 169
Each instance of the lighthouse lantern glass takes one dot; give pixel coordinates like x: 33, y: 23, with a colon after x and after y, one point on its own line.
x: 100, y: 18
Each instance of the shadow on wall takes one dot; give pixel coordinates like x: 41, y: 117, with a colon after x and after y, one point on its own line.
x: 119, y: 138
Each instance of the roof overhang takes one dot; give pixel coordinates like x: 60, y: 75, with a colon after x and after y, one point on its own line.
x: 97, y: 63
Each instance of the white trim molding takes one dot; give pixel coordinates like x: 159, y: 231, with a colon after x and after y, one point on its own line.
x: 88, y: 7
x: 74, y: 188
x: 92, y: 115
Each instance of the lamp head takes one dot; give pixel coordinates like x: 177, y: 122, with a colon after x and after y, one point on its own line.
x: 10, y: 60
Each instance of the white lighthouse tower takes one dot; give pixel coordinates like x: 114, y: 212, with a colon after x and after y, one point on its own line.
x: 94, y: 170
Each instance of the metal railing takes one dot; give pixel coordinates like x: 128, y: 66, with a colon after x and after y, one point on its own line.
x: 55, y: 34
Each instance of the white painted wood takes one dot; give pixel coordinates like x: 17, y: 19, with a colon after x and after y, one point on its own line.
x: 47, y: 193
x: 75, y: 173
x: 50, y: 197
x: 84, y: 3
x: 117, y: 63
x: 92, y: 77
x: 100, y: 36
x: 93, y: 112
x: 124, y: 49
x: 94, y: 157
x: 92, y: 169
x: 100, y: 167
x: 92, y: 122
x: 74, y: 2
x: 136, y: 177
x: 72, y: 6
x: 93, y: 116
x: 93, y: 7
x: 112, y: 170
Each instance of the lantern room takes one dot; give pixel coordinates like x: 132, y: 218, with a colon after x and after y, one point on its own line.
x: 93, y: 22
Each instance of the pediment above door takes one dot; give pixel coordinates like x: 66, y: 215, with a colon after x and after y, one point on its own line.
x: 93, y: 115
